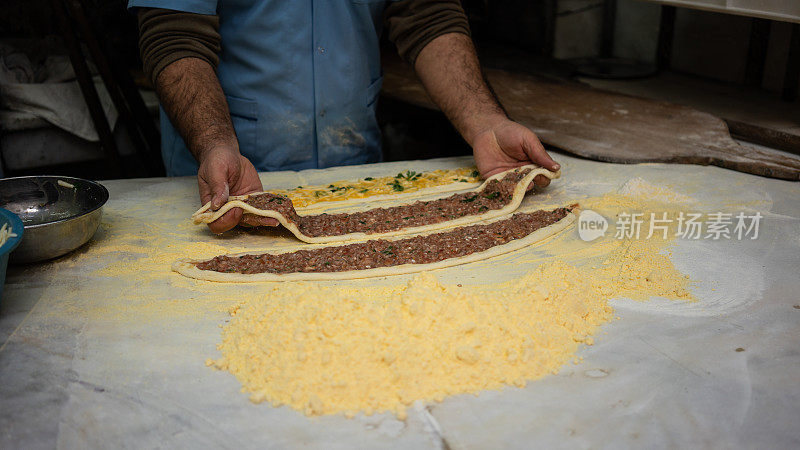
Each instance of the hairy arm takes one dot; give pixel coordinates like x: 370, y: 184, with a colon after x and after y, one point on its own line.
x: 192, y: 97
x: 448, y: 68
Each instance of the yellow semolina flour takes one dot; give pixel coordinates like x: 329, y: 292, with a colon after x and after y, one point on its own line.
x: 373, y: 346
x: 376, y: 345
x: 343, y: 350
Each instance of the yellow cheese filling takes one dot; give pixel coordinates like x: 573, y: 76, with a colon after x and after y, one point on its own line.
x: 403, y: 182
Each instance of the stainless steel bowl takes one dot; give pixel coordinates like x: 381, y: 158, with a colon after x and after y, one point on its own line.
x: 57, y: 218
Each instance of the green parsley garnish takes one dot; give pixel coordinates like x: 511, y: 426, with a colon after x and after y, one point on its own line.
x: 396, y: 185
x: 410, y: 175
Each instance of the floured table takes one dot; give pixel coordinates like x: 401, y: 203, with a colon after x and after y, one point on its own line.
x: 97, y: 354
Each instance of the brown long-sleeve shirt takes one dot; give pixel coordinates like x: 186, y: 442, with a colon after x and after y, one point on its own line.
x: 166, y: 36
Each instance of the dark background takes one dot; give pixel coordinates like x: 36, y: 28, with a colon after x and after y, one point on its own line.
x: 538, y: 36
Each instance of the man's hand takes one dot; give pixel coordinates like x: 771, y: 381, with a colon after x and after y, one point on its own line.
x: 506, y: 145
x: 223, y: 172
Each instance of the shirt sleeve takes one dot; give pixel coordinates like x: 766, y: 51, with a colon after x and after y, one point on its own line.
x: 166, y: 36
x: 413, y: 24
x: 193, y: 6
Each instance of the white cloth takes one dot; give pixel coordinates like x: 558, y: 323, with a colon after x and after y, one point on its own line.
x: 49, y: 91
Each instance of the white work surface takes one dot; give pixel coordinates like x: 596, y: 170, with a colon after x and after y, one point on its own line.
x: 665, y: 374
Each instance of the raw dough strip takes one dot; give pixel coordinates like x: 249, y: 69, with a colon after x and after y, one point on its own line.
x: 188, y: 268
x: 203, y: 215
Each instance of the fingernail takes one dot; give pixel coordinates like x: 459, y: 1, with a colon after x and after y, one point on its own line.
x: 556, y: 166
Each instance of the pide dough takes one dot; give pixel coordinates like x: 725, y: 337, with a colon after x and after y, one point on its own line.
x: 205, y: 215
x: 189, y: 267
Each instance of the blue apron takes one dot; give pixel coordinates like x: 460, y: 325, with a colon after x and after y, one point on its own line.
x: 301, y: 79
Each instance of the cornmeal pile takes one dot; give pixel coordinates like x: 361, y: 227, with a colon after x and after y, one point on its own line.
x: 328, y: 350
x: 345, y: 350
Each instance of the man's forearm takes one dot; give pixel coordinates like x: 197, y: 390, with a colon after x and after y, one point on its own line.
x: 191, y: 95
x: 448, y: 68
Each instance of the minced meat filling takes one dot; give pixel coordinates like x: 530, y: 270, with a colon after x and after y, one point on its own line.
x: 496, y: 195
x: 428, y: 249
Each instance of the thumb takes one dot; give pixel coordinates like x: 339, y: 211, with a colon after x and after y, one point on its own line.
x: 219, y: 194
x: 536, y: 153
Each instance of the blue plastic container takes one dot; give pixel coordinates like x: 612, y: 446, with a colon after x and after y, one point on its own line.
x: 7, y: 217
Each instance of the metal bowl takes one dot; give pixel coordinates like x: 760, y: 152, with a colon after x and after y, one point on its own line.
x: 57, y: 218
